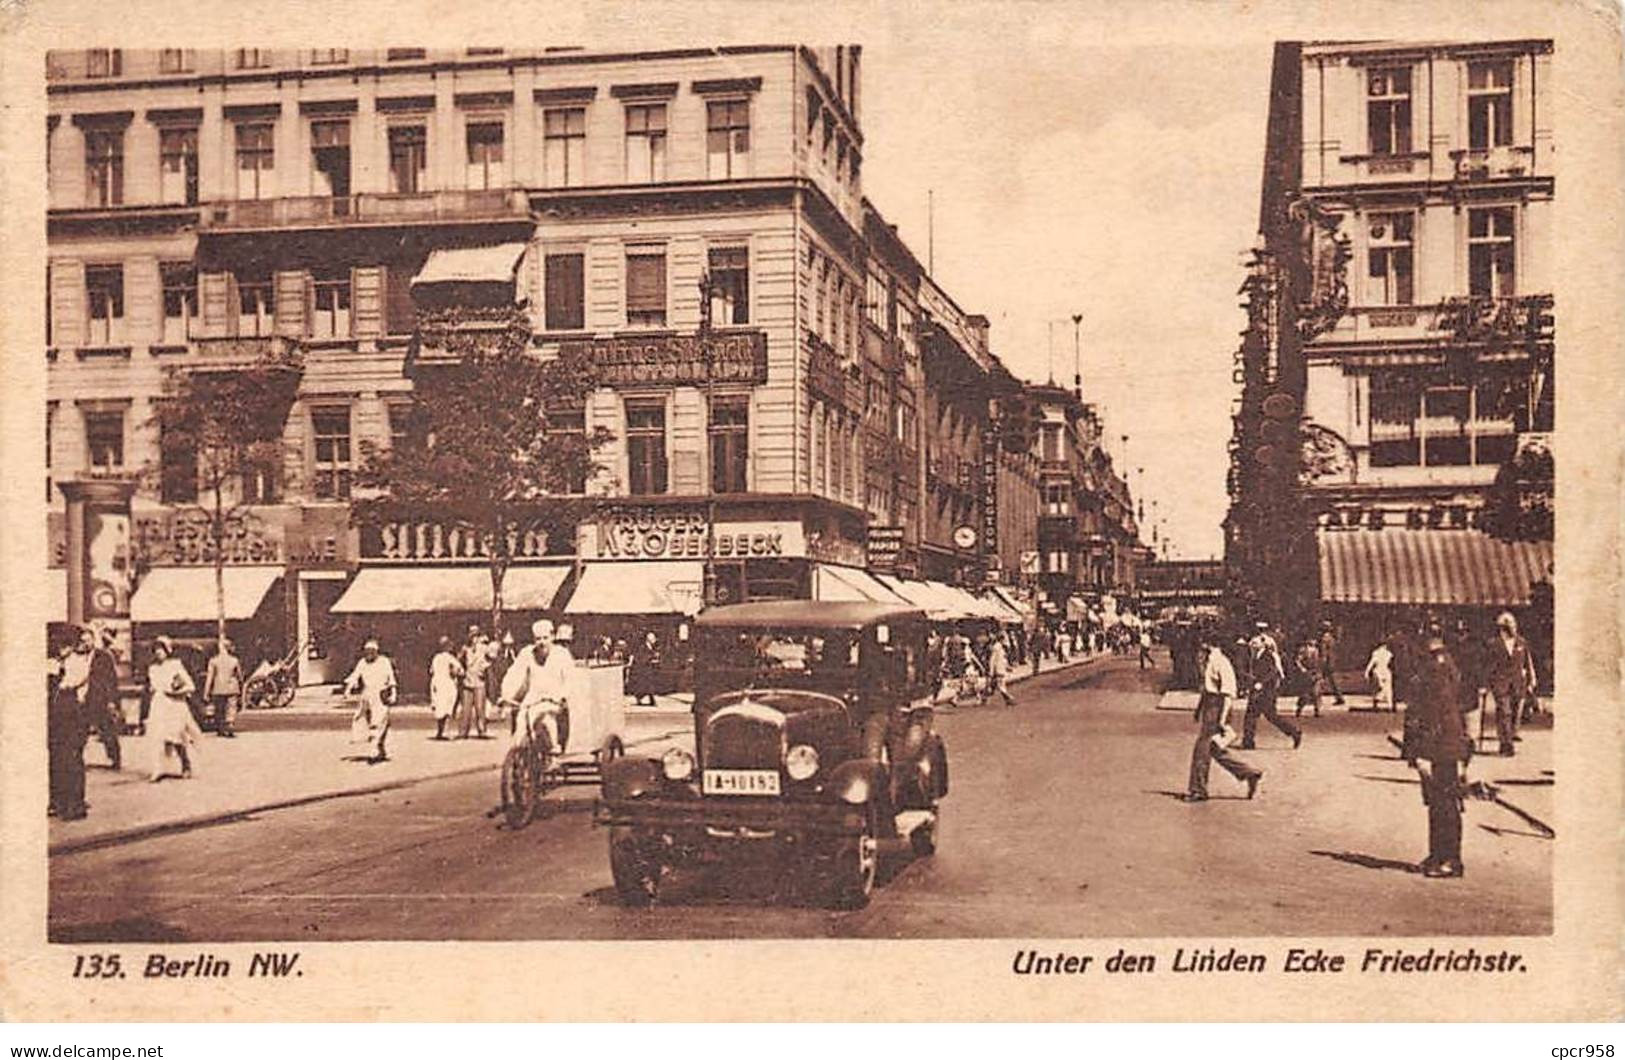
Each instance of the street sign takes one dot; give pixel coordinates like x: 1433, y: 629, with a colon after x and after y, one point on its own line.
x: 885, y: 544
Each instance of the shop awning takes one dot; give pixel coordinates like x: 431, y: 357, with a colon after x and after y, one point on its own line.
x: 492, y: 264
x: 636, y: 587
x: 1016, y: 611
x: 1438, y: 567
x: 378, y: 590
x: 186, y: 594
x: 851, y: 585
x: 929, y: 597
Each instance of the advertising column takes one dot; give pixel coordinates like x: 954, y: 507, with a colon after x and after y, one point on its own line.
x: 98, y: 556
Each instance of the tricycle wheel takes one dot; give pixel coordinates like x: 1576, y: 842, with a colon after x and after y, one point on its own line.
x: 282, y: 693
x: 521, y: 786
x: 256, y: 693
x: 637, y: 875
x: 855, y: 865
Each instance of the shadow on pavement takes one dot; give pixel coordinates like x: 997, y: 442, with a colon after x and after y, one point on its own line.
x: 1368, y: 861
x: 1387, y: 780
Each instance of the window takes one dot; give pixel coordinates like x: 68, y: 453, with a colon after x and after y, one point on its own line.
x: 253, y: 58
x: 485, y: 155
x: 256, y: 158
x: 1451, y: 425
x: 821, y: 299
x: 104, y: 62
x: 330, y: 158
x: 730, y: 444
x: 104, y: 304
x: 1390, y: 259
x: 330, y: 430
x: 396, y: 55
x: 1057, y: 499
x: 255, y: 303
x: 1489, y: 105
x: 727, y: 139
x: 875, y: 300
x: 260, y: 481
x: 566, y: 298
x: 104, y: 439
x: 1057, y: 562
x: 408, y: 157
x: 1388, y: 110
x: 730, y: 285
x: 829, y: 139
x: 645, y: 447
x: 645, y: 143
x: 329, y: 56
x: 1491, y: 253
x: 646, y: 287
x: 400, y: 314
x: 330, y: 304
x: 564, y: 144
x: 104, y: 167
x: 177, y: 164
x: 400, y: 423
x: 176, y: 60
x: 571, y: 425
x: 180, y: 299
x: 177, y: 468
x: 50, y: 435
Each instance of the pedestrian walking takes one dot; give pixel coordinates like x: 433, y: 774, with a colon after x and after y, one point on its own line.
x: 1265, y: 674
x: 1328, y: 661
x: 1145, y: 648
x: 445, y: 685
x: 476, y: 660
x: 66, y: 730
x: 172, y: 726
x: 501, y: 654
x: 1310, y: 675
x: 1218, y: 689
x: 1441, y: 739
x: 223, y: 687
x: 642, y: 673
x: 373, y: 679
x: 103, y: 710
x: 1509, y: 674
x: 998, y: 672
x: 1379, y: 671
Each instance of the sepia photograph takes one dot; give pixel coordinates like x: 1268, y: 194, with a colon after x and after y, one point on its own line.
x: 1051, y: 489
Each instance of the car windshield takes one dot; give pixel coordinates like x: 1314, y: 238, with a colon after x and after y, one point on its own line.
x: 768, y: 654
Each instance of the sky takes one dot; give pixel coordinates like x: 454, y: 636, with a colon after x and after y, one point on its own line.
x: 1119, y: 182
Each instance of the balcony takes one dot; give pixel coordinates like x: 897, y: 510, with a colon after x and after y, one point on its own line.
x: 242, y: 351
x: 1468, y: 320
x: 1495, y: 163
x: 450, y: 206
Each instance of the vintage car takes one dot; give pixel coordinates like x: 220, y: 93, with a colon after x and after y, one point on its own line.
x: 815, y: 743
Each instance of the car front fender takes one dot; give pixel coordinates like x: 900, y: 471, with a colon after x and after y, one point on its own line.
x: 628, y: 778
x: 858, y: 781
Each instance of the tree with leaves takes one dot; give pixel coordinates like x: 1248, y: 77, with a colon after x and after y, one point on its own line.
x: 220, y: 432
x: 493, y: 439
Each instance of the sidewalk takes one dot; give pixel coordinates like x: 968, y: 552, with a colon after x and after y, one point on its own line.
x: 269, y: 770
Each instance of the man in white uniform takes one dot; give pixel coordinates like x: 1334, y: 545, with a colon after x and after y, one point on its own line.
x: 538, y: 684
x: 1218, y: 689
x: 374, y: 680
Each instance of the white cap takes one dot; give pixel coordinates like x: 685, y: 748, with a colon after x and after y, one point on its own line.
x: 542, y: 629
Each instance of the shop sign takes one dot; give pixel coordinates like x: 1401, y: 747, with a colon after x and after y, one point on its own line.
x: 826, y: 376
x: 646, y: 533
x: 320, y: 538
x: 675, y: 360
x: 187, y: 538
x: 885, y: 546
x: 990, y: 483
x: 427, y: 541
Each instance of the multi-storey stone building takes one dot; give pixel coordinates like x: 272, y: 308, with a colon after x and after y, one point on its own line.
x: 1415, y: 336
x: 211, y: 208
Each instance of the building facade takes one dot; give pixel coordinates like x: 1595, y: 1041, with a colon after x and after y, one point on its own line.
x: 1401, y: 315
x: 209, y: 209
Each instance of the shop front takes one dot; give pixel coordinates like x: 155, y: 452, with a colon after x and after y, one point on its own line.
x: 423, y: 579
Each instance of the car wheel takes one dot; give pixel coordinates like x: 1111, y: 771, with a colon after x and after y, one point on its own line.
x: 520, y: 781
x: 855, y: 865
x: 637, y: 876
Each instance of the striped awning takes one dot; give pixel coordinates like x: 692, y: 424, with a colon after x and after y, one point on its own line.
x: 1431, y: 567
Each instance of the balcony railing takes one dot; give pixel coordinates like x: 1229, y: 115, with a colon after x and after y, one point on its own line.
x: 449, y: 205
x: 1522, y: 316
x: 1493, y: 163
x: 242, y: 350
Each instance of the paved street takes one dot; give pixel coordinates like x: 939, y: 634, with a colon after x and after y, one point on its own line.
x: 1064, y: 820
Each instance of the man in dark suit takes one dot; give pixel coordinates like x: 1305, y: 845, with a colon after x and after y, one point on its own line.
x: 1509, y: 674
x: 1263, y: 674
x: 1441, y: 740
x: 103, y: 710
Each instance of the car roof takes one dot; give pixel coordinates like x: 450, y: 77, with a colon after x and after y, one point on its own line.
x: 804, y: 614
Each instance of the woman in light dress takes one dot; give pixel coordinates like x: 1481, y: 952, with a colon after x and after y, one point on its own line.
x: 173, y: 729
x: 445, y: 682
x: 1379, y: 670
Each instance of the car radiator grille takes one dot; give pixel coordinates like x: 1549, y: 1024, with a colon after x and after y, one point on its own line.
x: 733, y: 741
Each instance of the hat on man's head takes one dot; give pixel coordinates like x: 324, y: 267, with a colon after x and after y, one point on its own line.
x: 372, y: 642
x: 162, y: 641
x: 542, y: 629
x: 1506, y: 620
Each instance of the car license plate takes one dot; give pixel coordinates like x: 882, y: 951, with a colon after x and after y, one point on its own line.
x: 741, y: 782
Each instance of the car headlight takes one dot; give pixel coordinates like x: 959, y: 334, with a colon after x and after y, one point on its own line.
x: 801, y: 762
x: 677, y: 764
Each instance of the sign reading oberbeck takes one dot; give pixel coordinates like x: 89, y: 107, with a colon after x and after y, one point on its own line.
x: 640, y: 533
x: 678, y: 360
